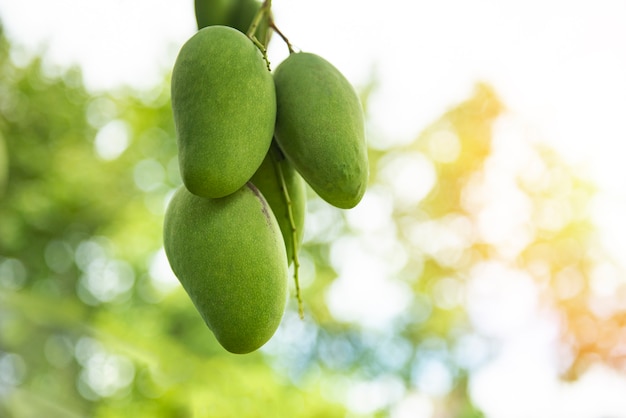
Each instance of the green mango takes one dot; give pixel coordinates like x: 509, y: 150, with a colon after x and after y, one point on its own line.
x: 224, y: 106
x: 320, y: 128
x: 267, y: 180
x: 237, y: 14
x: 229, y: 256
x: 212, y: 12
x: 241, y: 16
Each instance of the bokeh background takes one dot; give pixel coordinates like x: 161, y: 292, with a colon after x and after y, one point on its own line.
x: 482, y: 275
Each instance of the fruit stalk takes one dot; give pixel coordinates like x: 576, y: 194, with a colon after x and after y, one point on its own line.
x: 272, y: 25
x: 264, y: 10
x: 296, y: 260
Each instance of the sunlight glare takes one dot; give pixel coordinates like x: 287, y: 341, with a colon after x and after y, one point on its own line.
x: 414, y: 405
x: 112, y: 139
x: 444, y: 146
x: 362, y: 273
x: 500, y: 299
x: 410, y: 175
x: 161, y: 274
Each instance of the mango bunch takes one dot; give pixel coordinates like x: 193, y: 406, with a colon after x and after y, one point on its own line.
x: 248, y: 140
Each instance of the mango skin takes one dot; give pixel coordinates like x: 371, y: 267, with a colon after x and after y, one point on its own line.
x: 320, y: 128
x: 212, y: 12
x: 229, y: 256
x: 241, y: 17
x: 267, y: 181
x: 224, y: 106
x: 237, y: 14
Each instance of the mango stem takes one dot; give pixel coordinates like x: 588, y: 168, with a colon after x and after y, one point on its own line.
x: 264, y: 10
x: 272, y: 25
x: 294, y: 238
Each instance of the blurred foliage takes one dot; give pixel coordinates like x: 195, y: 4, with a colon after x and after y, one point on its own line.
x: 92, y: 322
x: 89, y: 323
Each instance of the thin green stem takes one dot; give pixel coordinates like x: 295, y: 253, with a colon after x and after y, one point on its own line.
x: 263, y: 51
x: 264, y: 11
x: 272, y: 25
x: 294, y: 236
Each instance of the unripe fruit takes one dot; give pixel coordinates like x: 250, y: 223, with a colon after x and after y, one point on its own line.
x: 320, y: 128
x: 212, y: 12
x: 267, y: 180
x: 237, y: 14
x: 224, y: 106
x: 229, y: 256
x: 241, y: 17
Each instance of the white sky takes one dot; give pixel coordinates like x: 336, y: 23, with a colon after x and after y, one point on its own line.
x: 559, y: 66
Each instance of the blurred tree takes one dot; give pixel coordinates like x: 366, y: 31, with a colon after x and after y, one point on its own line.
x: 92, y: 323
x: 461, y: 209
